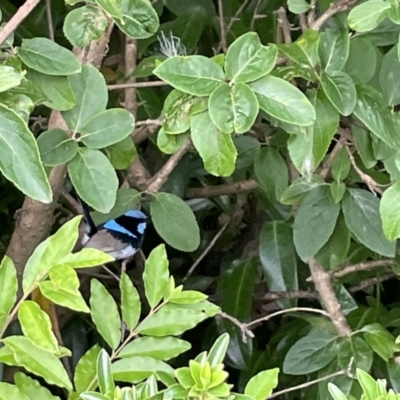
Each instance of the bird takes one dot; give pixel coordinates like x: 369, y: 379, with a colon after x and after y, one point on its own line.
x: 120, y: 237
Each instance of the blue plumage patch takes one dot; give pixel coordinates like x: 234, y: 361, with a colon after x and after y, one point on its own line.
x: 141, y: 227
x: 114, y: 226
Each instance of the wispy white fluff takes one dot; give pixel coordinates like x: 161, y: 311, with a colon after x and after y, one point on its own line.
x: 171, y: 45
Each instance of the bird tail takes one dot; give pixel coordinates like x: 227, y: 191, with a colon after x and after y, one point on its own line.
x: 86, y: 213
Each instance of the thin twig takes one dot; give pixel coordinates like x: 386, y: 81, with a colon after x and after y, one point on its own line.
x: 361, y: 266
x: 17, y: 18
x: 222, y: 26
x: 284, y: 24
x: 293, y: 294
x: 242, y: 326
x: 371, y: 282
x: 311, y: 13
x: 255, y: 15
x: 136, y: 85
x: 49, y: 20
x: 129, y: 66
x: 303, y: 22
x: 221, y: 190
x: 328, y: 163
x: 206, y: 250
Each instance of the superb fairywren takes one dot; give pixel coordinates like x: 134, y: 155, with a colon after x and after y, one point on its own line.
x: 121, y: 237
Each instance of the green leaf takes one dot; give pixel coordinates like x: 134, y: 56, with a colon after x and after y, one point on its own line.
x: 283, y: 101
x: 48, y: 57
x: 341, y: 165
x: 217, y: 352
x: 176, y: 112
x: 91, y: 97
x: 121, y: 154
x: 36, y: 326
x: 32, y: 388
x: 8, y: 391
x: 8, y: 288
x: 196, y: 75
x: 84, y: 25
x: 9, y: 78
x: 56, y: 89
x: 85, y: 370
x: 340, y: 90
x: 298, y: 6
x: 130, y: 302
x: 373, y: 112
x: 107, y: 128
x: 261, y: 385
x: 85, y: 258
x: 160, y: 348
x: 333, y: 49
x: 380, y: 340
x: 139, y: 19
x: 389, y: 77
x: 94, y: 179
x: 247, y: 59
x: 104, y: 377
x: 175, y: 222
x: 233, y: 108
x: 301, y: 151
x: 367, y: 16
x: 271, y: 172
x: 49, y: 252
x: 170, y: 144
x: 101, y: 304
x: 335, y: 392
x: 19, y: 103
x: 361, y: 212
x: 156, y: 275
x: 316, y: 218
x: 368, y: 384
x: 390, y: 212
x: 56, y: 147
x: 363, y: 142
x: 19, y: 157
x: 187, y: 297
x: 63, y: 289
x: 112, y: 7
x: 297, y: 190
x: 311, y: 353
x: 215, y: 147
x: 278, y: 259
x: 357, y: 349
x: 38, y: 361
x: 171, y: 321
x: 136, y: 369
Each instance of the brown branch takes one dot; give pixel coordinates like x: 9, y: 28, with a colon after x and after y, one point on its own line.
x: 294, y: 294
x: 371, y: 282
x: 220, y: 190
x: 49, y: 20
x: 361, y: 266
x: 323, y: 285
x: 311, y: 13
x: 242, y: 326
x: 326, y: 167
x: 334, y: 8
x: 161, y: 177
x: 17, y: 18
x: 284, y: 24
x: 136, y: 85
x: 130, y: 64
x: 303, y: 22
x: 222, y: 26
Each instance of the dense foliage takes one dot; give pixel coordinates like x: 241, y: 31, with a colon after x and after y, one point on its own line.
x: 261, y: 138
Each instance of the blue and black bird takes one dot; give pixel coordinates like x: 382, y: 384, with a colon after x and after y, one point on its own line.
x: 121, y: 237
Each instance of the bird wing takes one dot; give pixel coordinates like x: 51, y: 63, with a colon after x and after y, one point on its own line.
x: 104, y: 241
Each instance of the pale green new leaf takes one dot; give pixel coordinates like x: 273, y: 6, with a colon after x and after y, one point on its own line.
x: 130, y: 302
x: 261, y: 385
x: 32, y: 388
x: 8, y: 392
x: 85, y: 370
x: 9, y: 78
x: 389, y: 209
x: 367, y: 16
x: 8, y: 288
x: 85, y: 258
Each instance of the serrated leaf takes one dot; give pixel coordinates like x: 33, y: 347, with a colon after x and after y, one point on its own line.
x: 175, y: 222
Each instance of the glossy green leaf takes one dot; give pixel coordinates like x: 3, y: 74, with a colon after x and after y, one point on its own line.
x: 161, y: 348
x: 340, y: 165
x: 175, y: 222
x: 136, y: 369
x: 215, y: 147
x: 299, y: 187
x: 217, y: 352
x: 9, y: 78
x: 49, y: 252
x: 389, y: 77
x: 90, y: 91
x: 357, y: 350
x: 104, y: 377
x: 48, y: 57
x: 93, y: 396
x: 247, y: 59
x: 366, y: 16
x: 363, y: 142
x: 107, y: 128
x: 283, y: 101
x: 139, y: 19
x: 121, y: 154
x: 196, y: 75
x: 316, y: 217
x: 130, y: 302
x: 368, y: 384
x: 261, y: 385
x: 56, y: 89
x: 372, y: 111
x: 278, y: 259
x: 311, y: 353
x: 171, y: 321
x: 271, y: 172
x: 101, y: 304
x: 333, y: 49
x: 85, y: 370
x: 361, y: 212
x: 56, y: 147
x: 85, y: 258
x: 38, y: 361
x: 156, y: 275
x: 94, y: 179
x: 8, y: 288
x: 63, y: 288
x: 19, y: 157
x: 380, y: 340
x: 335, y: 392
x: 340, y: 90
x: 233, y: 108
x: 32, y: 388
x: 301, y: 152
x: 187, y: 297
x: 36, y: 326
x: 83, y: 25
x: 8, y: 391
x: 389, y: 209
